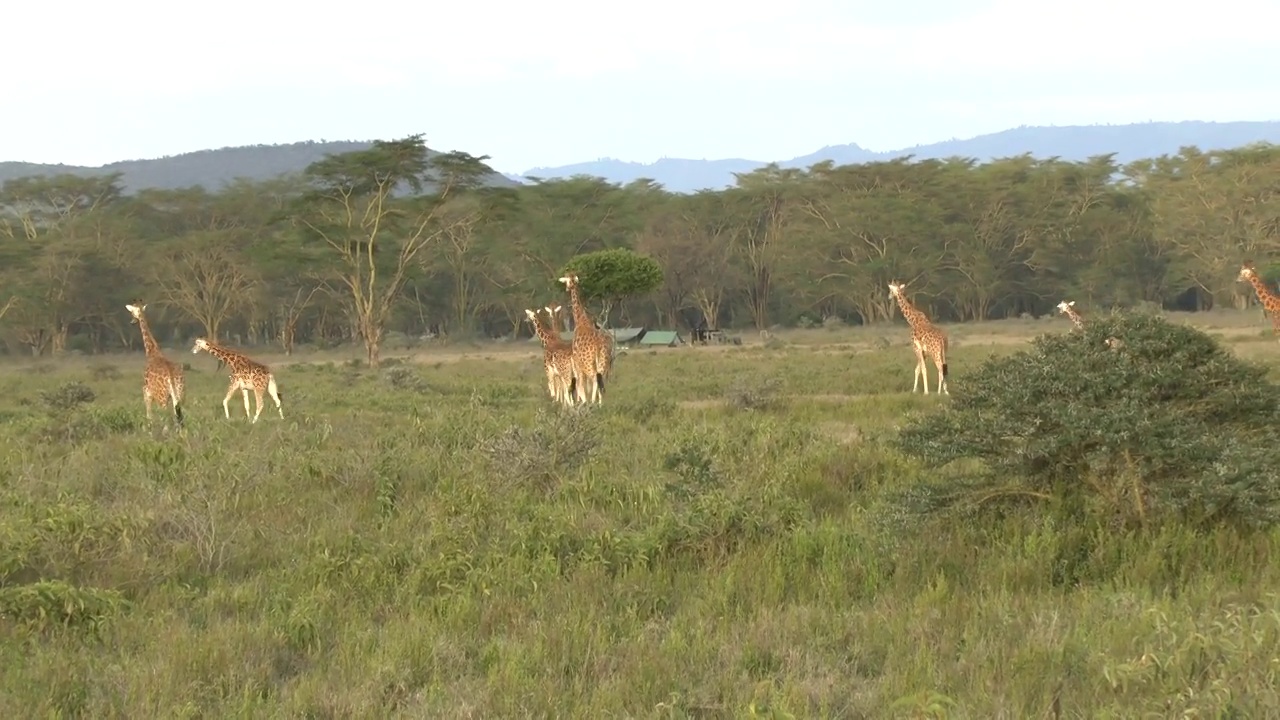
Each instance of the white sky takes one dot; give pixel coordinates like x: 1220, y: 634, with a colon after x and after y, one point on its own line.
x: 562, y: 81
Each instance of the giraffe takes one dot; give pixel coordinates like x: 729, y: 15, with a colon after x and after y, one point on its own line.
x: 563, y: 353
x: 246, y: 375
x: 557, y: 359
x: 592, y: 347
x: 926, y: 339
x: 162, y: 380
x: 1270, y: 301
x: 1069, y: 309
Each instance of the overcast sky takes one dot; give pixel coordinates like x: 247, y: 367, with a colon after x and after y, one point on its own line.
x: 560, y: 81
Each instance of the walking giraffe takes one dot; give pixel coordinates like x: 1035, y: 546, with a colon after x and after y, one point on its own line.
x: 557, y: 358
x: 162, y: 380
x: 926, y: 339
x: 1270, y: 301
x: 592, y: 347
x: 246, y: 375
x: 1069, y: 309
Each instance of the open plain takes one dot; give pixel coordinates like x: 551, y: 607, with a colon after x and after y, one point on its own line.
x: 434, y: 538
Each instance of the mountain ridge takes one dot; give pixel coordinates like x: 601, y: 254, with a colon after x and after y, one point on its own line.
x: 1070, y: 142
x: 211, y: 168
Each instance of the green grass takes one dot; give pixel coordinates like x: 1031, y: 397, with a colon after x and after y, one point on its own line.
x: 717, y: 540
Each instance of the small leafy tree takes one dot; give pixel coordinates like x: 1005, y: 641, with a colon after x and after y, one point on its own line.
x: 611, y: 276
x: 1165, y: 422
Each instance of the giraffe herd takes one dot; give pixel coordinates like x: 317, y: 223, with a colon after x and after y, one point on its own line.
x: 577, y: 371
x: 163, y: 383
x: 930, y: 342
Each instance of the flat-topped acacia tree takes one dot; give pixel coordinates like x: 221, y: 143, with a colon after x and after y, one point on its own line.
x: 376, y: 210
x: 609, y: 277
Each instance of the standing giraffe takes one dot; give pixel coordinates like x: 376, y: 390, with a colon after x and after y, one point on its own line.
x: 926, y: 339
x: 592, y: 347
x: 1270, y: 301
x: 1069, y: 309
x: 162, y: 380
x: 246, y: 375
x: 563, y: 357
x: 557, y: 359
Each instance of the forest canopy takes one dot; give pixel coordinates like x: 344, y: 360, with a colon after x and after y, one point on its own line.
x: 394, y: 238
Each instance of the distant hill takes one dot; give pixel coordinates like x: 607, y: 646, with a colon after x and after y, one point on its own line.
x: 213, y: 168
x: 1072, y: 142
x: 210, y: 168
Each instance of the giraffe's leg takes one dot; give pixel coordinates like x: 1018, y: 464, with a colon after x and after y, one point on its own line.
x: 146, y: 401
x: 226, y: 410
x: 942, y: 376
x: 915, y: 378
x: 275, y: 395
x: 579, y: 378
x: 244, y: 393
x: 257, y: 395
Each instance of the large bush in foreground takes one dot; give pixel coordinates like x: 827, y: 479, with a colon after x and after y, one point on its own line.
x: 1165, y: 422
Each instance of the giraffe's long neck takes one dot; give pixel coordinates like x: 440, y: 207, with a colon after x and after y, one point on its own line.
x: 582, y: 321
x: 1266, y: 296
x: 231, y: 359
x: 148, y: 341
x: 915, y: 318
x: 541, y: 331
x: 1075, y: 318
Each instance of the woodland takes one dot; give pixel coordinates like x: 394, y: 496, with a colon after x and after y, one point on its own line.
x: 399, y: 240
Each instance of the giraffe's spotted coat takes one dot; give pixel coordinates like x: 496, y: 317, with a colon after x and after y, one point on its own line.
x: 592, y: 347
x: 246, y: 374
x: 926, y: 339
x: 163, y: 383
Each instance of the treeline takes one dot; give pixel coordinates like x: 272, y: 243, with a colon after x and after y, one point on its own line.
x: 396, y: 239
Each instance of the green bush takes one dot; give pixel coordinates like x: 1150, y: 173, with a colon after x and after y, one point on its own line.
x: 1166, y: 422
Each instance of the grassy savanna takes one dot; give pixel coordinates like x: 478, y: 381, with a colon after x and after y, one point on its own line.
x: 719, y: 539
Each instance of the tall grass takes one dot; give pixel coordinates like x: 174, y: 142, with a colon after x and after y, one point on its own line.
x: 717, y: 540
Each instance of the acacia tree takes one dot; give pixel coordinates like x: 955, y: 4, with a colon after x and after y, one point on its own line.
x: 356, y: 206
x: 611, y: 276
x: 52, y: 227
x: 206, y: 280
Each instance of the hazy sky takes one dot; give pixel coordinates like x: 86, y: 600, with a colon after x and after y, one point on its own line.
x: 561, y: 81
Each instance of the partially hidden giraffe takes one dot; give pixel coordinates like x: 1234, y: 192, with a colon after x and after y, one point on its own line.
x: 1270, y: 301
x: 1069, y: 309
x: 926, y: 339
x: 592, y: 347
x: 162, y: 380
x: 559, y: 371
x: 246, y: 374
x: 562, y: 356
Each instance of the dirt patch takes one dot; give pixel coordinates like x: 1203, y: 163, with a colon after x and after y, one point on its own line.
x: 843, y: 432
x: 706, y: 403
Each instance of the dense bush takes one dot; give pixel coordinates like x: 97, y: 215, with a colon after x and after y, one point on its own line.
x: 1165, y: 422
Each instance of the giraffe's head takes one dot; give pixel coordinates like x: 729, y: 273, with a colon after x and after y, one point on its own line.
x: 569, y: 280
x: 135, y: 311
x: 533, y: 318
x: 201, y: 344
x: 552, y: 312
x: 1065, y: 307
x: 1246, y: 272
x: 895, y: 289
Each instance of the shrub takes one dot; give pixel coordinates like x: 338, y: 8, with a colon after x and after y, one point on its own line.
x: 556, y: 444
x: 1166, y: 422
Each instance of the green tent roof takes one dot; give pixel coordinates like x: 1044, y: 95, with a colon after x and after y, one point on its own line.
x: 661, y: 337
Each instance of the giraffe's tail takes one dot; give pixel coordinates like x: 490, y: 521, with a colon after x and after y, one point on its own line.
x: 275, y: 389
